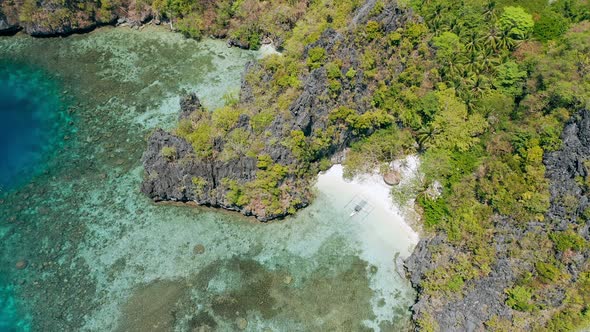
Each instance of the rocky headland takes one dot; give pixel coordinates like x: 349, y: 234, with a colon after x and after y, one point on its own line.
x: 279, y: 156
x: 241, y: 28
x: 55, y: 19
x: 181, y: 176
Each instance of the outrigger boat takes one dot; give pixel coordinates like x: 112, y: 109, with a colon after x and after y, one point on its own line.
x: 358, y: 207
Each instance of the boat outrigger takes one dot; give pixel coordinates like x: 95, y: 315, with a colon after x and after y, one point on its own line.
x: 359, y: 206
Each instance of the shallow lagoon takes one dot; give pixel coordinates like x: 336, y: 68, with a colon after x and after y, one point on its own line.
x: 100, y: 251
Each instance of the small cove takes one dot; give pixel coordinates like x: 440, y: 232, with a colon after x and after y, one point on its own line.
x: 97, y: 248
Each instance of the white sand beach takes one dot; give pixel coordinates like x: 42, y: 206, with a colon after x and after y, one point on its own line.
x: 379, y: 228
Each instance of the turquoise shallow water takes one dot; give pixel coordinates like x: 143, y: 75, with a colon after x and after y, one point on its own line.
x: 101, y: 255
x: 11, y: 319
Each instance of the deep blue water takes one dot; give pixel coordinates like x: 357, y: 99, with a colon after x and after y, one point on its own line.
x: 31, y: 115
x: 32, y: 118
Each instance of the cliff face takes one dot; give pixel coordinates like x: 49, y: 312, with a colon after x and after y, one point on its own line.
x: 274, y: 176
x: 181, y: 176
x: 566, y: 166
x: 215, y: 181
x: 7, y: 25
x: 569, y: 172
x: 245, y: 24
x: 52, y: 18
x: 171, y: 178
x: 485, y: 298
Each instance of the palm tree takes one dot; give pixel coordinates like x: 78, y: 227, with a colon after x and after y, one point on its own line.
x: 455, y: 25
x: 487, y: 62
x: 472, y: 42
x: 492, y: 40
x: 436, y: 14
x: 505, y: 41
x: 452, y: 66
x: 473, y: 61
x: 489, y: 11
x: 480, y: 84
x: 425, y: 134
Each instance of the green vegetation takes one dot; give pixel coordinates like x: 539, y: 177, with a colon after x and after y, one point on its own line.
x: 568, y: 240
x: 481, y: 90
x: 547, y: 272
x: 550, y: 25
x: 199, y: 185
x: 247, y: 22
x: 316, y: 58
x: 519, y: 298
x: 516, y: 22
x: 276, y: 83
x: 169, y: 152
x: 501, y: 86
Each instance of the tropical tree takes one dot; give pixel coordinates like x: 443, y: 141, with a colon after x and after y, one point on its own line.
x: 516, y: 22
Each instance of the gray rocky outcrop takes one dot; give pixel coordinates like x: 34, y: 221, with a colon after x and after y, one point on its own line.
x: 485, y: 298
x: 567, y: 165
x: 189, y: 104
x: 569, y: 171
x: 171, y: 179
x: 7, y: 26
x: 53, y: 19
x: 179, y: 175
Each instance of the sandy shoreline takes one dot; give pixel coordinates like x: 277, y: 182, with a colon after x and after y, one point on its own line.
x: 382, y: 233
x: 385, y: 220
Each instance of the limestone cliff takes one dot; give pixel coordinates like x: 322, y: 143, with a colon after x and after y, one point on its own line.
x: 485, y: 298
x: 182, y: 176
x: 51, y: 18
x: 273, y: 176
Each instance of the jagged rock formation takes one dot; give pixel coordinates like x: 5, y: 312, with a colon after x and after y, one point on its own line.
x: 238, y: 21
x: 181, y: 176
x: 485, y: 298
x: 170, y: 176
x: 7, y: 25
x: 569, y: 171
x: 220, y: 181
x: 566, y: 165
x: 52, y: 19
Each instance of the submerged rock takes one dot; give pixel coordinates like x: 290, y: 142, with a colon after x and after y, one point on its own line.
x: 21, y: 264
x: 287, y: 280
x: 242, y: 323
x: 199, y: 249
